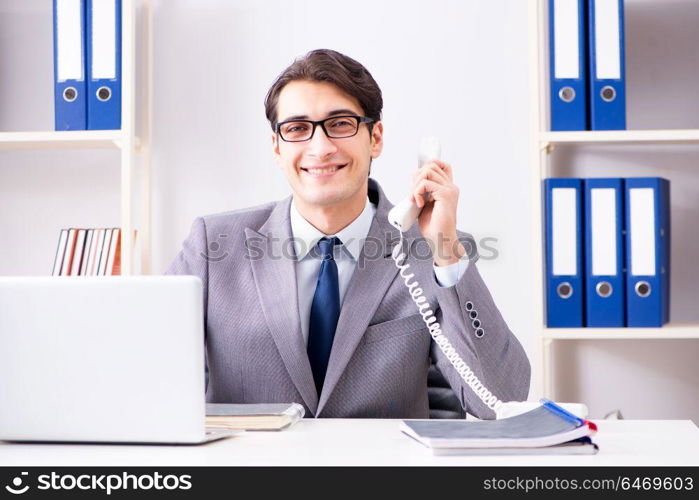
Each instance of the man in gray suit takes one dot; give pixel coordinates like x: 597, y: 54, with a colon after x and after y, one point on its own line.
x: 303, y: 301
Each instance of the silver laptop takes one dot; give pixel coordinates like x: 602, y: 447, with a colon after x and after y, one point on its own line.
x: 102, y: 359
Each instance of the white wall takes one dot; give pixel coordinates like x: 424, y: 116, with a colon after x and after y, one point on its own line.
x: 459, y: 66
x: 441, y: 66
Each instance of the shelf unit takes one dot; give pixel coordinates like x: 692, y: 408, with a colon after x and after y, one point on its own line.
x: 542, y: 143
x: 620, y: 137
x: 124, y: 140
x: 79, y: 139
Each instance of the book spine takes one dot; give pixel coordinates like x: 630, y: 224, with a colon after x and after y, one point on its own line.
x: 78, y: 254
x: 68, y: 255
x: 58, y: 260
x: 94, y: 255
x: 113, y: 250
x: 86, y: 253
x: 104, y: 254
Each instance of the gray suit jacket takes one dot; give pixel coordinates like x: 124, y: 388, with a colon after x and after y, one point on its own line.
x: 381, y: 353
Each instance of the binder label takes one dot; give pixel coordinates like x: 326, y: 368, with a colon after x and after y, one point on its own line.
x: 69, y: 40
x: 607, y: 40
x: 604, y: 231
x: 564, y: 225
x: 565, y: 39
x: 642, y: 227
x: 103, y: 40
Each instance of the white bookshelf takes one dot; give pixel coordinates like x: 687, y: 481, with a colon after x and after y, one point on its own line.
x: 669, y: 331
x: 78, y: 139
x: 621, y: 137
x: 134, y: 151
x: 542, y: 143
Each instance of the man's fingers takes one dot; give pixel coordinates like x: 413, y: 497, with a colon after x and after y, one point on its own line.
x: 431, y: 171
x: 446, y: 168
x: 424, y: 186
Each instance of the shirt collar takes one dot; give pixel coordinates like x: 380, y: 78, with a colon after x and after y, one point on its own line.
x: 306, y: 236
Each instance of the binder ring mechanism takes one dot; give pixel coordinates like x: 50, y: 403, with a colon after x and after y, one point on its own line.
x: 70, y: 94
x: 564, y: 290
x: 604, y: 289
x: 104, y: 94
x: 567, y: 94
x: 642, y: 289
x: 608, y: 93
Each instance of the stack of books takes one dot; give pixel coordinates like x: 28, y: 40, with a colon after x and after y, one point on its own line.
x: 253, y: 417
x: 88, y: 252
x: 546, y: 430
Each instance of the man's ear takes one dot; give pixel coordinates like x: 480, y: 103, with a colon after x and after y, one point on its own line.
x: 376, y: 139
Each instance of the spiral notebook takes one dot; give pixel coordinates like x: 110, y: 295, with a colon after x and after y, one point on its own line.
x: 581, y: 446
x: 253, y: 417
x: 548, y: 429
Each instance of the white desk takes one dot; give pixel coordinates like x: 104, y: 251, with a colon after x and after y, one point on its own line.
x: 366, y: 442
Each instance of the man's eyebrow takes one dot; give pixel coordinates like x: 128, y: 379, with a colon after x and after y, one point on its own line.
x: 335, y: 112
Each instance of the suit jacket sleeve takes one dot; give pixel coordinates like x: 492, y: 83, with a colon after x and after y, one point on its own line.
x: 449, y: 275
x: 191, y: 260
x: 494, y: 354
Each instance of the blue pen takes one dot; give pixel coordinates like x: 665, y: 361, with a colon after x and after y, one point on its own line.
x: 561, y: 412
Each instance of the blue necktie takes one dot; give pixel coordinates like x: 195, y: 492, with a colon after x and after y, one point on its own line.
x: 325, y: 311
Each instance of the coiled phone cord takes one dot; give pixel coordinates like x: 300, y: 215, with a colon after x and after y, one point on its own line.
x: 416, y: 293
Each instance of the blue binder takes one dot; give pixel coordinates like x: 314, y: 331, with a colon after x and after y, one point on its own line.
x: 605, y: 301
x: 607, y: 61
x: 647, y: 251
x: 104, y: 64
x: 564, y: 250
x: 70, y: 97
x: 568, y: 64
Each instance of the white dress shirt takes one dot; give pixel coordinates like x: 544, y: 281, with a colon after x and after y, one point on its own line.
x: 306, y: 237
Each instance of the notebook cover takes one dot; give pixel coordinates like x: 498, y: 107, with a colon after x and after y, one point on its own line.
x: 581, y: 446
x: 543, y: 426
x: 250, y: 410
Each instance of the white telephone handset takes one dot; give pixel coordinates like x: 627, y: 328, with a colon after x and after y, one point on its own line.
x: 403, y: 216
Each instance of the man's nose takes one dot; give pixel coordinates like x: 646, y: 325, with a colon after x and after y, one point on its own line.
x: 320, y: 145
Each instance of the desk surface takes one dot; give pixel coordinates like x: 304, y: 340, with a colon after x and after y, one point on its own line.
x: 365, y: 442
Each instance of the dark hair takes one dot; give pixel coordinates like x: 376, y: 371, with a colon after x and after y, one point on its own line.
x: 325, y: 65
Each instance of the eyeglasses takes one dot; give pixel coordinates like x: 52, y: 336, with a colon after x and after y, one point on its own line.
x: 335, y: 127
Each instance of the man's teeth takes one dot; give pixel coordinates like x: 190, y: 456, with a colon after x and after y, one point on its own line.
x: 326, y: 170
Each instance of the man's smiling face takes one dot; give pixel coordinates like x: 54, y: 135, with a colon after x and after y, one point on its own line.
x: 322, y: 171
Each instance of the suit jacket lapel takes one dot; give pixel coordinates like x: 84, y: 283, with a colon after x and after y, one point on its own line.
x: 274, y: 273
x: 373, y: 275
